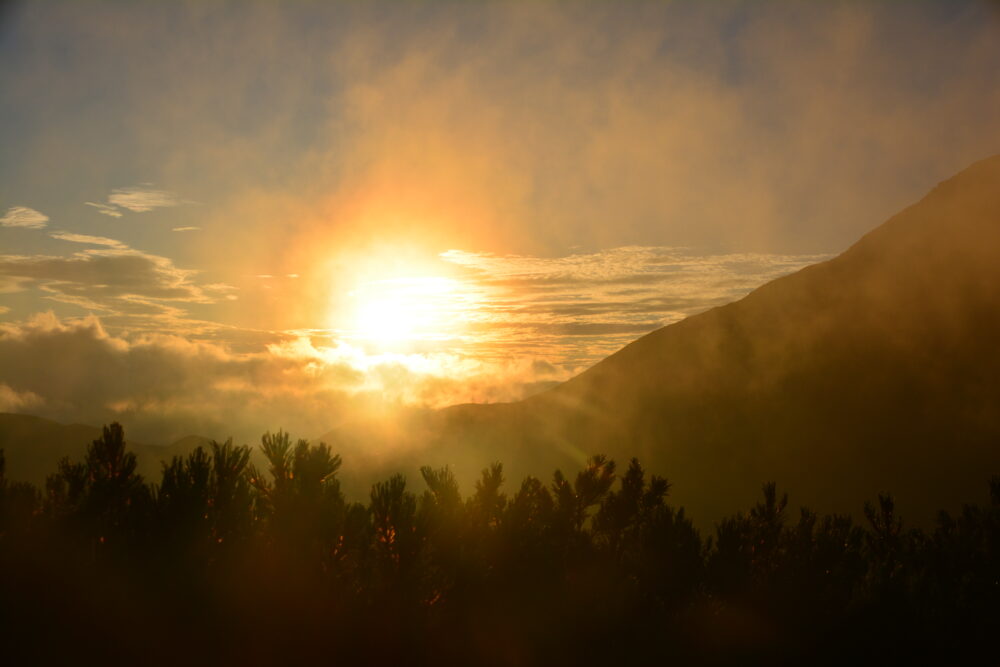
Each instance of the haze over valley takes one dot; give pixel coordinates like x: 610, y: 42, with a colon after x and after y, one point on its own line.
x: 483, y: 333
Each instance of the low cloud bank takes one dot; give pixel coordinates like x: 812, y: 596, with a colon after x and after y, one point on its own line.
x: 164, y: 387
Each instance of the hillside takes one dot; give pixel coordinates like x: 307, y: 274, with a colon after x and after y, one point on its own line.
x: 876, y: 370
x: 33, y: 446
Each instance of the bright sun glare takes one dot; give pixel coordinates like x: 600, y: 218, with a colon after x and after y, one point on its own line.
x: 408, y: 308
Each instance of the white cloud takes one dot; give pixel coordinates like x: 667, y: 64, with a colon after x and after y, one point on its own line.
x: 140, y: 199
x: 186, y: 229
x: 14, y: 401
x: 106, y: 209
x: 89, y: 240
x: 22, y: 216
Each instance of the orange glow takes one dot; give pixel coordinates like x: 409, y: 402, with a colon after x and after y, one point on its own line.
x: 409, y: 308
x: 395, y: 297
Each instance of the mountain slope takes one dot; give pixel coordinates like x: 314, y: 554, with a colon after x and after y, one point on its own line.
x: 33, y: 446
x: 876, y: 370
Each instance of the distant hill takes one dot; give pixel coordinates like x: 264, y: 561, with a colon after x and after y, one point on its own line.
x: 876, y: 370
x: 33, y: 446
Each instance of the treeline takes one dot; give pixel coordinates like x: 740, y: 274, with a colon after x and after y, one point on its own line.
x: 219, y: 562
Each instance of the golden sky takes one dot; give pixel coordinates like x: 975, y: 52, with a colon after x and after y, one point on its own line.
x: 290, y: 212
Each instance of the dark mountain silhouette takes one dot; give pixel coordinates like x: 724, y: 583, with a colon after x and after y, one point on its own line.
x: 33, y: 445
x: 876, y: 370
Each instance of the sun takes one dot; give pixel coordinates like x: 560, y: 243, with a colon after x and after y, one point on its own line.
x: 407, y: 309
x: 402, y: 297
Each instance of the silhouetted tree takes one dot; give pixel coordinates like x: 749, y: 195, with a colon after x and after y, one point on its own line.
x: 183, y: 499
x: 302, y: 501
x: 230, y: 500
x: 747, y: 546
x: 884, y: 542
x: 625, y: 511
x: 19, y: 503
x: 283, y: 558
x: 397, y: 535
x: 104, y: 496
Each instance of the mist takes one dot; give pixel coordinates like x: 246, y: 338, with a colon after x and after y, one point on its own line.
x: 303, y: 146
x: 499, y: 333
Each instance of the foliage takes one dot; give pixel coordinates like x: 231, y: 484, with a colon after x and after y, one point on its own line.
x: 279, y: 564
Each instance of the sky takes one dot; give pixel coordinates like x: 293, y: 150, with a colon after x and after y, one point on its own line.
x: 220, y: 218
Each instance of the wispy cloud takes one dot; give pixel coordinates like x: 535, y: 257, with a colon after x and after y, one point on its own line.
x: 22, y: 216
x: 186, y: 229
x: 138, y: 199
x: 142, y: 198
x: 106, y: 209
x: 89, y: 240
x: 114, y: 279
x: 107, y: 273
x: 574, y: 310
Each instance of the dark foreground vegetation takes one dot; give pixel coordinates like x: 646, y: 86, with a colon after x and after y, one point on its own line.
x: 220, y: 563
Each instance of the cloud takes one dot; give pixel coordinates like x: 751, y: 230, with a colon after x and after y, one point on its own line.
x: 515, y: 130
x: 79, y: 371
x: 114, y: 279
x: 163, y: 387
x: 15, y: 401
x: 105, y: 209
x: 22, y: 216
x: 655, y: 123
x: 186, y: 229
x: 595, y: 328
x: 107, y: 274
x: 574, y: 310
x: 139, y: 199
x: 524, y: 127
x: 89, y: 240
x: 534, y: 321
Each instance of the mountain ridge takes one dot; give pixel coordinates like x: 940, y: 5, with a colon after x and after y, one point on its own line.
x: 33, y: 446
x: 890, y: 341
